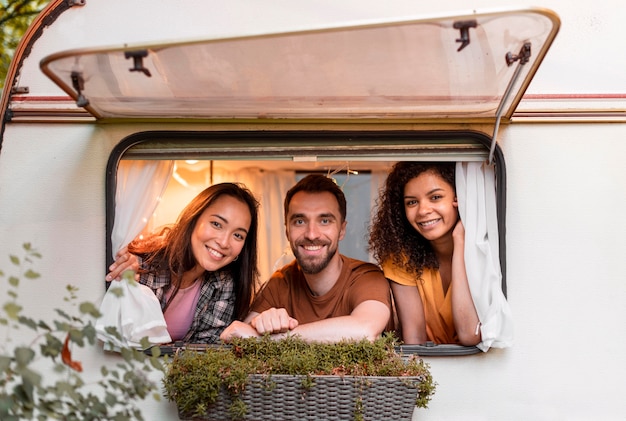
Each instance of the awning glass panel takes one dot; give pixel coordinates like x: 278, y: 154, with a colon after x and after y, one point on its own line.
x: 397, y: 69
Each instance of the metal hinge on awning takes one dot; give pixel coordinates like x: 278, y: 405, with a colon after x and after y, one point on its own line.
x: 78, y: 82
x: 523, y: 57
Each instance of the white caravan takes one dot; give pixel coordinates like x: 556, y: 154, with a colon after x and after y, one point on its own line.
x: 263, y: 91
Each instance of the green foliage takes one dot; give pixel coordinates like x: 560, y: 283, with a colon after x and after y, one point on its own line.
x: 15, y: 16
x: 193, y: 379
x: 63, y: 394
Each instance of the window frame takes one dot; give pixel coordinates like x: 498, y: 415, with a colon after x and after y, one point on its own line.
x: 281, y: 144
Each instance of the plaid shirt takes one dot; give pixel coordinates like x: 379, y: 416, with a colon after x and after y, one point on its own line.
x: 216, y: 304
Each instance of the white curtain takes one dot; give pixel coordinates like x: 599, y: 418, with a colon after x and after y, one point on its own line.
x: 137, y: 312
x: 377, y: 184
x: 270, y: 188
x: 140, y: 185
x: 475, y: 188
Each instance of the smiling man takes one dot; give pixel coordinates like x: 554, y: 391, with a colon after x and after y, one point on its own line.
x: 322, y: 295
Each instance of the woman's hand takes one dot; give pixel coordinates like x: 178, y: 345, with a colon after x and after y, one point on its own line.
x: 459, y: 229
x: 458, y: 234
x: 124, y: 261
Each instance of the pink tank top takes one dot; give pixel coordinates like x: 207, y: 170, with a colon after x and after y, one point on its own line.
x: 179, y: 314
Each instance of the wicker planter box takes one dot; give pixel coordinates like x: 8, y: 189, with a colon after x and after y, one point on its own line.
x: 284, y: 398
x: 263, y: 379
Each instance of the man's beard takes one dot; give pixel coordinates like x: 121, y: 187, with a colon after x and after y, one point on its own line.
x: 313, y: 266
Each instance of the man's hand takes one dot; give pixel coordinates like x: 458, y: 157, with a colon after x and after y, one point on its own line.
x: 123, y: 261
x: 274, y: 320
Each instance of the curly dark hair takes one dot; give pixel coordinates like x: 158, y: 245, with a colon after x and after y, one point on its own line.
x: 170, y: 250
x: 392, y: 238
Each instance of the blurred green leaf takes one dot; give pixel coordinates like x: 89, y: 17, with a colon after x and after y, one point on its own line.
x: 51, y: 347
x: 23, y: 356
x: 27, y: 321
x: 30, y: 380
x: 63, y: 314
x: 43, y: 325
x: 5, y: 363
x: 89, y: 333
x: 76, y: 336
x: 12, y: 310
x: 117, y: 291
x: 89, y: 308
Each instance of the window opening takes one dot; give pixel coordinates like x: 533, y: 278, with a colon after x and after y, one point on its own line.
x: 358, y: 165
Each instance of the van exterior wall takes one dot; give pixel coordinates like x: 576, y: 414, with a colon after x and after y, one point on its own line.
x: 566, y: 241
x: 52, y: 195
x: 565, y: 248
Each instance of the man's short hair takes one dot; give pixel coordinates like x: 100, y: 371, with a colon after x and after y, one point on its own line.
x: 317, y: 183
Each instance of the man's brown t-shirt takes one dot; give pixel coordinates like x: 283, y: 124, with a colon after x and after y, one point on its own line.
x: 358, y: 282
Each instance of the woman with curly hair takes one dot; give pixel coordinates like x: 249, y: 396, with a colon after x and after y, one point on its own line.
x: 202, y: 269
x: 418, y: 239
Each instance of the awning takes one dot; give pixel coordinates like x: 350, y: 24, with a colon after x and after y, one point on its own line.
x: 457, y: 67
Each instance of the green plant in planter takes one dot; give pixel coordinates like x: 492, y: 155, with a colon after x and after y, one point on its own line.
x: 195, y: 380
x: 63, y: 393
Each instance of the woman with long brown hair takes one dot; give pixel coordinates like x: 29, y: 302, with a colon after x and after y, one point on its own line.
x: 203, y: 269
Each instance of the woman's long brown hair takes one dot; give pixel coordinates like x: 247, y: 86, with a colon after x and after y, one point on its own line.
x: 169, y: 250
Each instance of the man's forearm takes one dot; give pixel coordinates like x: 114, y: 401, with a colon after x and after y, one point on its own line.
x: 367, y: 321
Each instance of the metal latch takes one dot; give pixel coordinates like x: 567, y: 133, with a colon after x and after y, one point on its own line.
x: 79, y: 84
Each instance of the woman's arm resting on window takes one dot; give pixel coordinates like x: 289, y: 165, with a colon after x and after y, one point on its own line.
x: 410, y: 313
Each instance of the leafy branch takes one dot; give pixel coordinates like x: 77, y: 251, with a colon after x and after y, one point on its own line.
x: 15, y: 16
x: 26, y: 394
